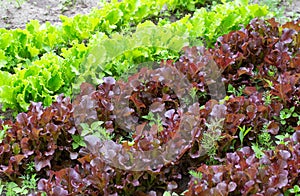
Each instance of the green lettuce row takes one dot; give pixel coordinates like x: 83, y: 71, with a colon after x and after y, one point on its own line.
x: 24, y: 46
x: 121, y: 15
x: 43, y: 80
x: 51, y: 75
x: 115, y: 54
x: 19, y: 47
x: 118, y: 54
x: 222, y: 19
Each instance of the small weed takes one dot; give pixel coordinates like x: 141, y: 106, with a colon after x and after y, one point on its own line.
x: 257, y: 150
x: 78, y: 141
x: 243, y: 133
x: 20, y: 2
x: 154, y: 120
x: 265, y: 141
x: 236, y: 92
x: 211, y: 137
x: 95, y: 129
x: 281, y: 138
x: 267, y: 97
x: 178, y: 14
x: 193, y: 96
x: 3, y: 132
x: 272, y: 71
x: 29, y: 183
x: 295, y: 191
x: 195, y: 174
x: 193, y: 93
x: 270, y: 83
x: 288, y: 113
x: 2, y: 186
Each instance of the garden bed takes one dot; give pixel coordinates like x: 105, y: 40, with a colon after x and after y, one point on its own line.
x: 163, y: 97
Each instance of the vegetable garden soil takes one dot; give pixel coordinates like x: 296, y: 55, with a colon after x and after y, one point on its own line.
x: 12, y: 16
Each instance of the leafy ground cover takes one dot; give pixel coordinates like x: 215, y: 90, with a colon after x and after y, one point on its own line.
x: 245, y: 142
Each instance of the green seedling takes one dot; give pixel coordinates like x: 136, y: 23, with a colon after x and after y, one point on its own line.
x: 288, y: 113
x: 272, y: 71
x: 270, y: 83
x: 28, y: 186
x: 195, y: 174
x: 243, y: 133
x: 154, y: 120
x: 236, y: 92
x: 3, y: 132
x: 295, y: 190
x: 267, y: 97
x: 265, y: 141
x: 95, y: 129
x: 211, y: 137
x: 280, y: 139
x: 193, y: 96
x: 257, y: 150
x: 78, y: 141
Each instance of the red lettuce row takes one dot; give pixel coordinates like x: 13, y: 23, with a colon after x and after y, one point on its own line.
x: 42, y: 135
x: 243, y: 174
